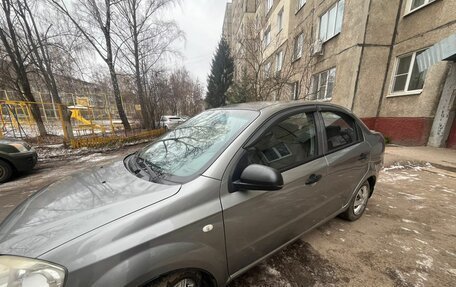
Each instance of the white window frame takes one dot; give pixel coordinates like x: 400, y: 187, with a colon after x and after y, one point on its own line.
x: 406, y: 91
x: 410, y: 2
x: 297, y: 54
x: 267, y: 37
x: 336, y: 18
x: 268, y: 5
x: 295, y: 91
x: 267, y: 70
x: 280, y: 20
x: 300, y: 4
x: 316, y: 80
x: 279, y: 61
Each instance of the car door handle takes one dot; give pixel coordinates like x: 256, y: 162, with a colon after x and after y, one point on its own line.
x: 313, y: 178
x: 362, y: 156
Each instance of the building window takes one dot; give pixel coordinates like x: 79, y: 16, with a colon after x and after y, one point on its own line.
x: 407, y: 77
x: 300, y: 4
x: 279, y: 61
x: 295, y: 88
x: 331, y: 21
x: 267, y: 37
x: 268, y: 5
x: 298, y: 45
x: 267, y: 69
x: 415, y: 4
x: 323, y: 85
x: 280, y: 20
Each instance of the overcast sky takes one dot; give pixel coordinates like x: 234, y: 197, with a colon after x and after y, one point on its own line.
x: 202, y: 21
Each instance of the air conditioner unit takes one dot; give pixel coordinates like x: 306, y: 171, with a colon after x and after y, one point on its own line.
x: 317, y: 49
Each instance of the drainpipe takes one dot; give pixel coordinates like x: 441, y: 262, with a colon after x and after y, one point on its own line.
x: 361, y: 55
x: 390, y: 55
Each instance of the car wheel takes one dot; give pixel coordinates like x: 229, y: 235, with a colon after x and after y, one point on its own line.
x: 179, y: 279
x: 358, y: 203
x: 6, y: 171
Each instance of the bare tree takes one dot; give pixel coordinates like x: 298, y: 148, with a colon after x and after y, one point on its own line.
x: 93, y: 18
x: 37, y: 38
x: 270, y: 70
x: 147, y: 39
x: 174, y: 93
x: 19, y: 58
x: 186, y: 93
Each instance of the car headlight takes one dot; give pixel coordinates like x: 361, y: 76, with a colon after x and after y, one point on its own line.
x: 25, y: 272
x: 19, y: 147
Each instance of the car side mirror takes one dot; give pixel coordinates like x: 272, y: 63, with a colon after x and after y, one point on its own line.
x: 259, y: 177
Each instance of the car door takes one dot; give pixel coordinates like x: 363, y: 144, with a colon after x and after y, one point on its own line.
x: 346, y: 152
x: 259, y: 222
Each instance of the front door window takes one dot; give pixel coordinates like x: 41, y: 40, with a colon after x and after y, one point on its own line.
x: 287, y: 143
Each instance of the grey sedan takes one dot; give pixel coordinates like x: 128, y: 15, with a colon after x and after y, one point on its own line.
x: 200, y: 205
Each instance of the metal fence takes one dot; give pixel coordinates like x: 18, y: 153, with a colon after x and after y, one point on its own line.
x: 90, y: 125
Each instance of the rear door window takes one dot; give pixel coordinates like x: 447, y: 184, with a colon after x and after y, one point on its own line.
x: 341, y: 130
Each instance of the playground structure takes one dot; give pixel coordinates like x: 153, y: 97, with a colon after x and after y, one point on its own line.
x: 84, y: 124
x: 87, y: 120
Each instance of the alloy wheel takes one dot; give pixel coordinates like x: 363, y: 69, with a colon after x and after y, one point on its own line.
x: 185, y: 283
x: 361, y: 200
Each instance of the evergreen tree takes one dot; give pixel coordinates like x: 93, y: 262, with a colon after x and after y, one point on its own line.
x: 221, y: 76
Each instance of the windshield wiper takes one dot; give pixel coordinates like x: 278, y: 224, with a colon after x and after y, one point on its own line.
x: 154, y: 174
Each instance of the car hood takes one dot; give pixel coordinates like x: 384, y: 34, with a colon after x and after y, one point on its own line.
x: 76, y: 205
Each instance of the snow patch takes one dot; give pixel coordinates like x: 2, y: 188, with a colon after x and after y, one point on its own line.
x: 451, y: 253
x: 421, y: 241
x: 272, y: 271
x: 411, y: 196
x: 406, y: 248
x: 426, y: 262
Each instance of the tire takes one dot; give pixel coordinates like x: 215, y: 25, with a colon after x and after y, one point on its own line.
x: 6, y: 171
x: 180, y: 279
x: 358, y: 203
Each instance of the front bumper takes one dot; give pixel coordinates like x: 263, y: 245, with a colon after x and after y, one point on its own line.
x: 24, y: 161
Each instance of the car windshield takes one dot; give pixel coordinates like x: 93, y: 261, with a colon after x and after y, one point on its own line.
x: 192, y: 146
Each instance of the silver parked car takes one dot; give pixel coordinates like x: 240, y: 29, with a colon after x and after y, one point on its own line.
x: 170, y: 122
x: 200, y: 205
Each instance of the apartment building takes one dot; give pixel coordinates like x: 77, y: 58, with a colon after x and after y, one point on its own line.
x: 391, y: 62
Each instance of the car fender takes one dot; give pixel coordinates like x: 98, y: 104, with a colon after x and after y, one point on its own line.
x: 184, y: 231
x: 148, y: 265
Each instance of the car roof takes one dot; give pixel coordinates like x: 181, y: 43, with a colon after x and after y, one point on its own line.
x: 271, y: 107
